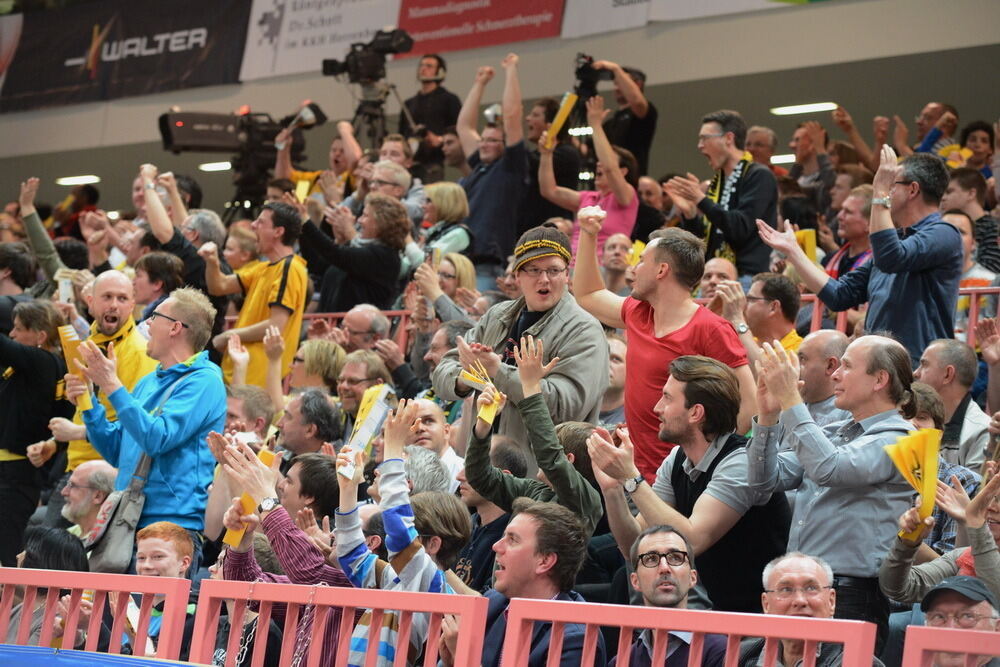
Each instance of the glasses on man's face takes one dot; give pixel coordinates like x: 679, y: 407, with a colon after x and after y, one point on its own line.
x: 535, y: 272
x: 378, y: 182
x: 963, y: 619
x: 353, y: 382
x: 674, y: 558
x: 353, y: 332
x: 157, y: 313
x: 787, y: 592
x: 74, y: 485
x: 702, y: 138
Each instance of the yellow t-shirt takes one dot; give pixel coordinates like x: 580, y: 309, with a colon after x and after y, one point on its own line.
x: 313, y: 178
x: 791, y: 341
x: 279, y: 283
x: 133, y: 365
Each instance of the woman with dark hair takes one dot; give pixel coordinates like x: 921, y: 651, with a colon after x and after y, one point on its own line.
x: 616, y: 179
x: 46, y: 548
x: 31, y: 370
x: 372, y: 263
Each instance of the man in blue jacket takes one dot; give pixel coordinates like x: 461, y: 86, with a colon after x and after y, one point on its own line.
x: 167, y: 416
x: 911, y: 283
x: 538, y: 557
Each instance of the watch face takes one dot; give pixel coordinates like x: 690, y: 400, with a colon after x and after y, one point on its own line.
x: 268, y: 504
x: 630, y: 485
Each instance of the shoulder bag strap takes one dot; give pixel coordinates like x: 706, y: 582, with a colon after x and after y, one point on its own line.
x: 138, y: 480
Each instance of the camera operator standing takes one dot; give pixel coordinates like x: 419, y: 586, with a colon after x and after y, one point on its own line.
x: 632, y: 126
x: 434, y: 109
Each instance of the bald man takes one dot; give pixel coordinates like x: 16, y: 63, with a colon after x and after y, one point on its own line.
x: 111, y: 304
x: 614, y: 262
x: 819, y: 358
x: 431, y: 431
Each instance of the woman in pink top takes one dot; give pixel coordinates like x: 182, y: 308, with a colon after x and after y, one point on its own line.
x: 616, y: 177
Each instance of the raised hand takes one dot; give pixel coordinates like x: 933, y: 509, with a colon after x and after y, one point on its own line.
x: 529, y: 357
x: 248, y: 473
x: 509, y: 61
x: 596, y: 113
x: 910, y: 521
x: 64, y: 430
x: 322, y: 537
x: 816, y: 135
x: 332, y: 187
x: 484, y: 75
x: 427, y: 281
x: 784, y: 241
x: 99, y: 369
x: 900, y: 133
x: 398, y: 427
x: 975, y: 511
x: 209, y: 252
x: 238, y: 353
x: 29, y: 189
x: 591, y: 224
x: 953, y: 500
x: 843, y: 120
x: 880, y: 129
x: 618, y: 463
x: 390, y: 353
x: 486, y: 397
x: 768, y: 407
x: 274, y: 344
x: 988, y: 337
x: 888, y: 172
x: 168, y: 181
x: 733, y: 300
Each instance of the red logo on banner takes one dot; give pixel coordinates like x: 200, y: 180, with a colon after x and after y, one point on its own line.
x: 452, y: 25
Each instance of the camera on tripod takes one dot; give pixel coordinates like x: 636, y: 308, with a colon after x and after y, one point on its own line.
x: 587, y: 76
x: 365, y: 63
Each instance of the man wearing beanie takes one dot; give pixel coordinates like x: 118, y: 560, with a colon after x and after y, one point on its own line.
x: 547, y: 311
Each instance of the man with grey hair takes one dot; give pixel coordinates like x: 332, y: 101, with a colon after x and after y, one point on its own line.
x: 423, y: 469
x: 87, y: 489
x: 841, y: 469
x: 966, y: 603
x: 310, y: 419
x: 950, y: 367
x: 797, y: 584
x: 911, y: 283
x: 362, y: 326
x: 762, y: 142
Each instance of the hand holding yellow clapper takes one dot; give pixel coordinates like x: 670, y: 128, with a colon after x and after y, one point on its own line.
x: 916, y: 458
x: 478, y: 377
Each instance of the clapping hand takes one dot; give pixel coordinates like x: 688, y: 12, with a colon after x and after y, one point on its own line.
x: 486, y: 397
x: 99, y: 369
x: 784, y: 241
x: 780, y: 371
x: 617, y: 463
x: 236, y: 351
x: 888, y: 172
x: 274, y: 344
x: 398, y: 427
x: 248, y: 473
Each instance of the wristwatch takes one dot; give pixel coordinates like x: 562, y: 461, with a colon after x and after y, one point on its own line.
x: 881, y: 201
x: 267, y: 504
x: 632, y: 484
x: 741, y: 328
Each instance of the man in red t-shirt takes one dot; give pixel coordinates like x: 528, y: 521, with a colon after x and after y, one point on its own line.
x: 662, y: 322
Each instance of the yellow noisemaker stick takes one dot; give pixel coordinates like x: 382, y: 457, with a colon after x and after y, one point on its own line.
x: 565, y: 107
x: 70, y: 341
x: 234, y: 537
x: 916, y: 457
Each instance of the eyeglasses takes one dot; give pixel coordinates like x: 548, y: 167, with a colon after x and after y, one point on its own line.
x: 674, y: 558
x: 786, y: 592
x: 377, y: 182
x: 352, y: 332
x: 534, y: 272
x: 705, y: 137
x: 353, y: 382
x: 963, y: 619
x: 446, y: 276
x: 157, y: 313
x: 74, y: 485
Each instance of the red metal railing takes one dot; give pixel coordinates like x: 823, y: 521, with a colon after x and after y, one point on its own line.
x: 922, y: 643
x: 121, y: 586
x: 857, y: 637
x: 471, y: 611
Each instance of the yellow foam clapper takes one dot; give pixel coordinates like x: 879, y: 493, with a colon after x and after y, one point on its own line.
x: 233, y: 537
x: 70, y: 341
x: 372, y: 412
x: 473, y: 380
x: 916, y: 457
x: 565, y: 107
x: 302, y: 190
x: 635, y: 252
x: 807, y: 241
x: 436, y: 257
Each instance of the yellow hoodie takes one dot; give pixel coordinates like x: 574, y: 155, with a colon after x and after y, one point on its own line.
x: 133, y: 364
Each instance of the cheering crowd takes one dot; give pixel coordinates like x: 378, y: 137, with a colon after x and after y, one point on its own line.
x: 607, y: 391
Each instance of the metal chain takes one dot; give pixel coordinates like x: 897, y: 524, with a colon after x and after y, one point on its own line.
x: 246, y: 641
x: 305, y: 626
